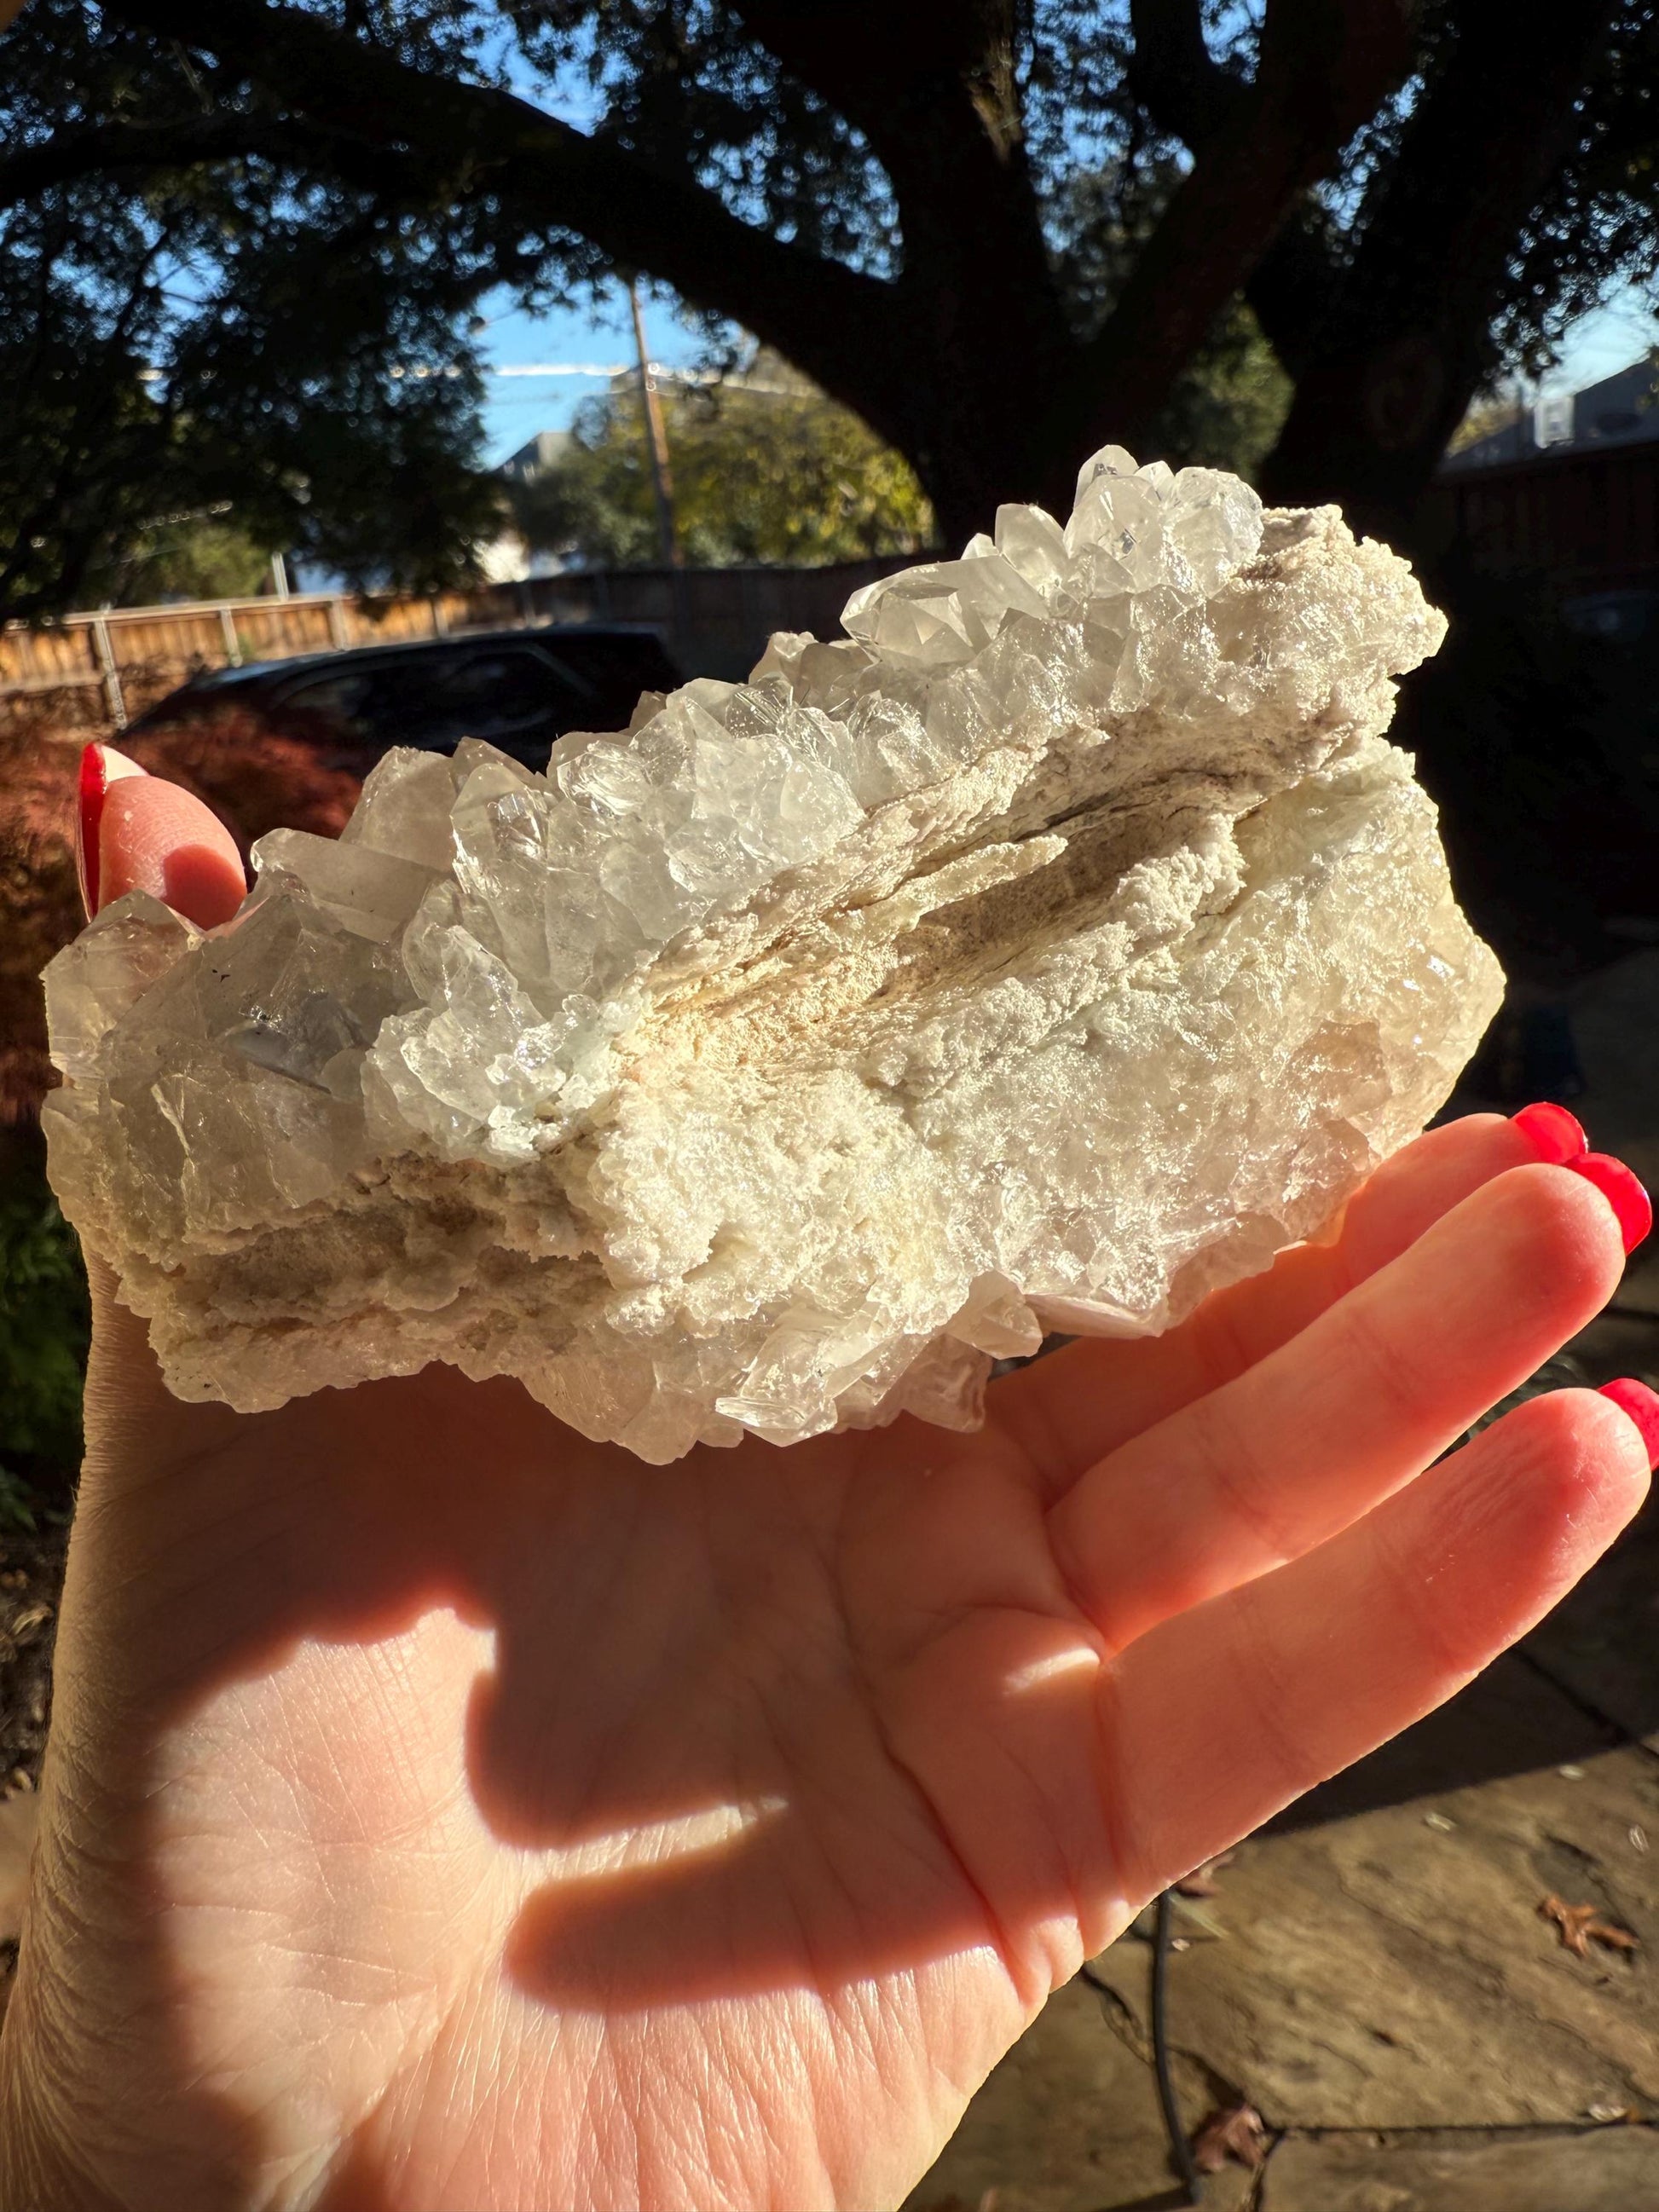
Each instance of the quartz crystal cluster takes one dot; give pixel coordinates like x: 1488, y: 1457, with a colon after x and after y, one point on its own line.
x: 1050, y: 950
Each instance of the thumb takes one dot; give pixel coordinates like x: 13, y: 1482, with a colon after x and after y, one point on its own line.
x: 135, y: 832
x: 134, y: 1424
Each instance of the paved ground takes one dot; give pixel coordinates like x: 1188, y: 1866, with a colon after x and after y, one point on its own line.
x: 1373, y: 1976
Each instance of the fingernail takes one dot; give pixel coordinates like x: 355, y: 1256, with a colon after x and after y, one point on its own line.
x: 1623, y: 1193
x: 1642, y: 1404
x: 89, y: 812
x: 1555, y: 1135
x: 100, y: 766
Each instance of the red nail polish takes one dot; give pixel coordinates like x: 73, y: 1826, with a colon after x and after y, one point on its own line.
x: 100, y: 766
x: 90, y: 814
x: 1642, y: 1404
x: 1623, y: 1193
x: 1555, y: 1135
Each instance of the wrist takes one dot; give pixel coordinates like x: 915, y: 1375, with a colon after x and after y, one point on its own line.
x: 36, y: 2174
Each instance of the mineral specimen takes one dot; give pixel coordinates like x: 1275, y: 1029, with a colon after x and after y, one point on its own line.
x: 1048, y: 952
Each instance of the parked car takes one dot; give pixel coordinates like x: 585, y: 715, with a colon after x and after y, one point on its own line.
x: 521, y: 690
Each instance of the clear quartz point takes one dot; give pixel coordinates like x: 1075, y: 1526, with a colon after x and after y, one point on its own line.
x: 1047, y: 952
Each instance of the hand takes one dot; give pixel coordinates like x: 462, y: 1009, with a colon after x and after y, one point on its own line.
x: 444, y: 1812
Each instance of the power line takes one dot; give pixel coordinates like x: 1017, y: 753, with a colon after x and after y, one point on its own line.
x: 565, y: 369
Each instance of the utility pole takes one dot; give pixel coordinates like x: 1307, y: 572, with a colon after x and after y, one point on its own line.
x: 656, y: 441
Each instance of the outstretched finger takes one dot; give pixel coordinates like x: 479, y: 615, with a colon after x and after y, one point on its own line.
x: 1070, y: 1409
x: 1312, y: 1438
x: 136, y: 832
x: 1214, y: 1721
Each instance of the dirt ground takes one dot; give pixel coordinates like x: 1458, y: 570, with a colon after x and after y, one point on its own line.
x: 31, y: 1577
x: 31, y: 1574
x: 1377, y: 1977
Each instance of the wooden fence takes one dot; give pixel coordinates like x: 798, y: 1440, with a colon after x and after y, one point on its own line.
x: 1588, y: 519
x: 94, y: 670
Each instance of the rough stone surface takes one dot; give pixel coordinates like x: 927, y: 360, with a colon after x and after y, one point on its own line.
x: 1047, y: 952
x: 1069, y: 2121
x: 1602, y: 2170
x: 1341, y: 1965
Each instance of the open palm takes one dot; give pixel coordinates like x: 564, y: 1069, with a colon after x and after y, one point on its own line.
x: 445, y: 1813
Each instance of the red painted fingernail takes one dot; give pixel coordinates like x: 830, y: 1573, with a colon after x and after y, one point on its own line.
x: 1642, y: 1404
x: 1623, y: 1193
x: 100, y: 766
x: 89, y: 812
x: 1555, y: 1135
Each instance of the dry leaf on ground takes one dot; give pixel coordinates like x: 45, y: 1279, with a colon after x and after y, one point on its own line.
x: 1201, y: 1882
x: 1580, y: 1925
x: 1236, y: 2131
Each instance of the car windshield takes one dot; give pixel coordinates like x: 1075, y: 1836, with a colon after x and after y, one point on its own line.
x: 496, y: 691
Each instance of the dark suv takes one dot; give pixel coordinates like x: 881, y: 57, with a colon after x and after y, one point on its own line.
x: 519, y: 689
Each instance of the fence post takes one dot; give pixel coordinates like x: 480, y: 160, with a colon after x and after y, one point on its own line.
x: 233, y: 643
x: 112, y: 691
x: 336, y: 629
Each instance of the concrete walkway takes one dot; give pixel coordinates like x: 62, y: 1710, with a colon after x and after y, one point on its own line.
x: 1375, y: 1975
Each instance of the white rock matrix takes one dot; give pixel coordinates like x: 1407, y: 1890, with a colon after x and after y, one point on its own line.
x: 1048, y: 952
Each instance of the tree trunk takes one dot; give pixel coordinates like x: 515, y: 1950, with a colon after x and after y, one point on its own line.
x: 978, y: 331
x: 1368, y: 426
x: 976, y: 435
x: 1404, y: 342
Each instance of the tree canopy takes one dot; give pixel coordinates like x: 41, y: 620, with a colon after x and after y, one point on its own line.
x: 765, y: 469
x: 1001, y: 231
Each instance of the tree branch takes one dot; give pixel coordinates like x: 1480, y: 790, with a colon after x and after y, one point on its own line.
x: 70, y: 156
x: 977, y: 308
x: 830, y: 319
x: 1325, y: 66
x: 1408, y: 339
x: 1174, y: 76
x: 942, y: 115
x: 959, y: 51
x: 1292, y: 287
x: 150, y: 151
x: 1190, y: 96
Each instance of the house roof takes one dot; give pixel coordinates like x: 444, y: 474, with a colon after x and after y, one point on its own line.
x: 1622, y: 409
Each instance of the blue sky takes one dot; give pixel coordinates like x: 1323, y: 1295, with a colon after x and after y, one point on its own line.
x: 1612, y: 338
x: 519, y: 406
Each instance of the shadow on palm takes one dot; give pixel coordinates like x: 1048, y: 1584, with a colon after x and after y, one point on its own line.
x: 705, y: 1684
